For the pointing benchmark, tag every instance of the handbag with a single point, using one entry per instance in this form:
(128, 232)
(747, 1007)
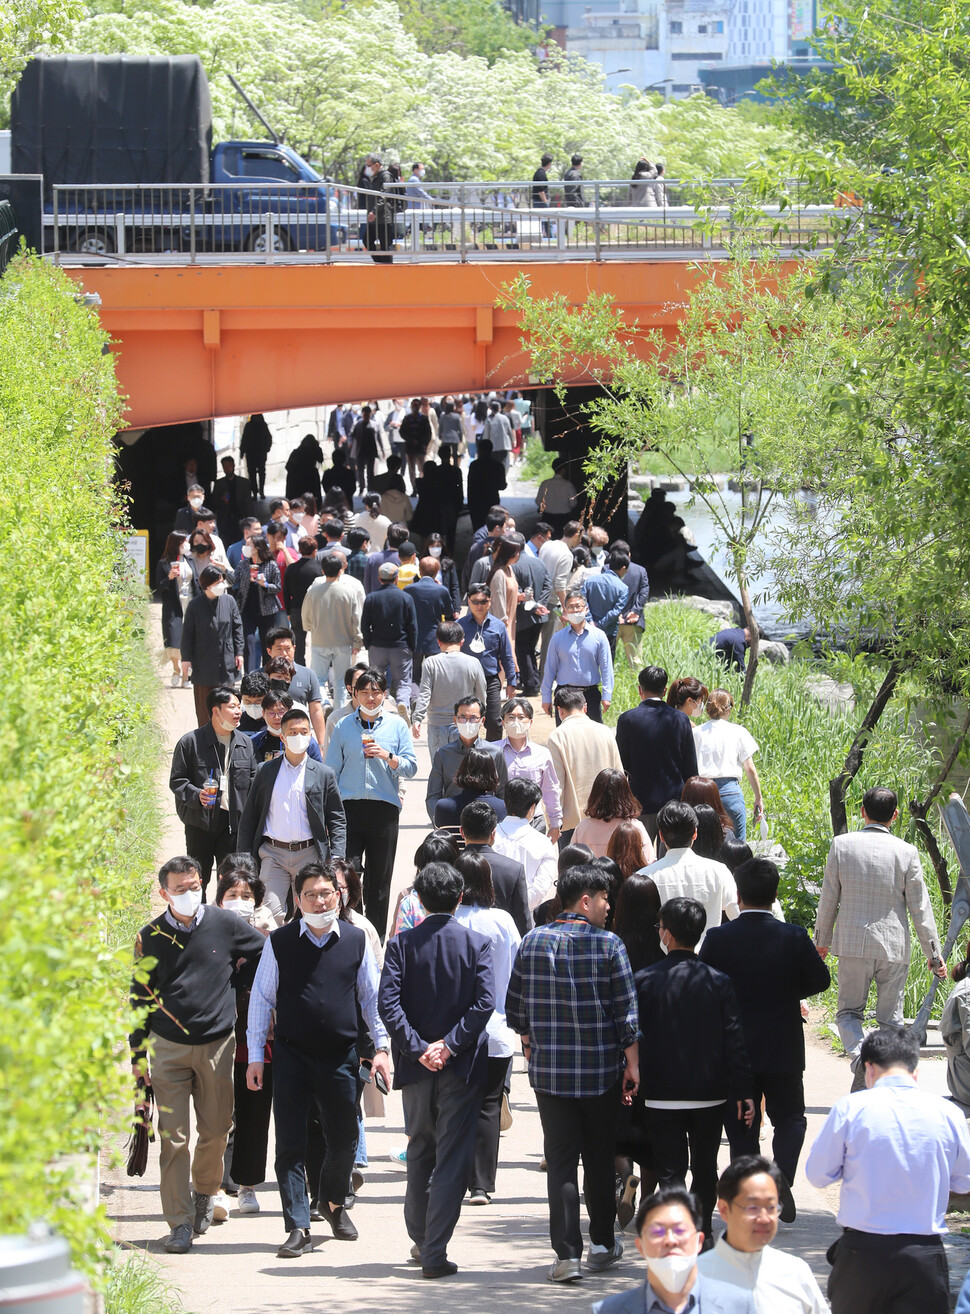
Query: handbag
(143, 1132)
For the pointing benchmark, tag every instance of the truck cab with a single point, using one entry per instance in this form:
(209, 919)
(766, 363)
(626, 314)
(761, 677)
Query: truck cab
(270, 209)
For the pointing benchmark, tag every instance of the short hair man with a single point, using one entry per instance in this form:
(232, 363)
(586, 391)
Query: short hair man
(331, 613)
(579, 658)
(571, 999)
(898, 1151)
(580, 749)
(656, 746)
(212, 771)
(351, 675)
(467, 719)
(389, 625)
(252, 690)
(479, 823)
(773, 967)
(875, 883)
(682, 872)
(445, 678)
(743, 1259)
(518, 839)
(691, 1028)
(487, 639)
(186, 1004)
(432, 606)
(248, 526)
(304, 685)
(669, 1237)
(436, 997)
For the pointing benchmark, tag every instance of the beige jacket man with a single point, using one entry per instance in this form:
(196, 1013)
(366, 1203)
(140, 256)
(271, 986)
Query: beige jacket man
(873, 884)
(580, 750)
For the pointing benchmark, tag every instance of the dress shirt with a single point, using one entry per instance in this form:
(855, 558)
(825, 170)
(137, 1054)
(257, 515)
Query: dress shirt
(572, 991)
(498, 647)
(287, 819)
(779, 1283)
(515, 838)
(533, 762)
(176, 925)
(504, 935)
(606, 596)
(578, 657)
(262, 999)
(682, 874)
(655, 1305)
(370, 778)
(899, 1152)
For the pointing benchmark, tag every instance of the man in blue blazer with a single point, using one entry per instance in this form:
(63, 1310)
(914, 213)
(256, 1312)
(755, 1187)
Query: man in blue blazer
(669, 1238)
(772, 967)
(437, 994)
(656, 745)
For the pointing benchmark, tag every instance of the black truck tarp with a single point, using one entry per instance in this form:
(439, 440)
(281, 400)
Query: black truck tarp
(112, 119)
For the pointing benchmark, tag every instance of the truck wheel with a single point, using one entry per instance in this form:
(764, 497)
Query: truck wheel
(256, 241)
(93, 241)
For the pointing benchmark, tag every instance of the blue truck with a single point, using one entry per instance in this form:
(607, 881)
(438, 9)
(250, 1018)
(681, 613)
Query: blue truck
(124, 147)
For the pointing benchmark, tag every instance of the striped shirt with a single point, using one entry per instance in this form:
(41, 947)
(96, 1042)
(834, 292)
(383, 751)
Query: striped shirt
(572, 991)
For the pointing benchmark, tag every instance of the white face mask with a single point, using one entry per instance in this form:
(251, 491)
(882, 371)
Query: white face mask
(665, 950)
(370, 171)
(344, 896)
(187, 904)
(244, 907)
(195, 503)
(297, 743)
(320, 921)
(577, 621)
(434, 551)
(247, 552)
(216, 590)
(253, 710)
(672, 1271)
(469, 731)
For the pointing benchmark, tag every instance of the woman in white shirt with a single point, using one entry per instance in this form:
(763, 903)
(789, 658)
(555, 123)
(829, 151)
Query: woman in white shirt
(725, 750)
(476, 911)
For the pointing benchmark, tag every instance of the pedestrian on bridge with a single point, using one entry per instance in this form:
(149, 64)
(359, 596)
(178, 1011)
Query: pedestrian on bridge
(254, 447)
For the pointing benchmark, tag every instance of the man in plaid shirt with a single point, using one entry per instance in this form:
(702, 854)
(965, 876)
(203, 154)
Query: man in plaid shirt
(571, 998)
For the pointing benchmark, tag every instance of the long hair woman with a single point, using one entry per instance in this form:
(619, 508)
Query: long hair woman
(610, 802)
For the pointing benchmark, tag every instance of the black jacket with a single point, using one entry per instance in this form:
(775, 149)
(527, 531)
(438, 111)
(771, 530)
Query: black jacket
(486, 479)
(299, 576)
(656, 745)
(212, 639)
(691, 1043)
(772, 967)
(269, 602)
(509, 884)
(194, 756)
(324, 809)
(388, 619)
(531, 573)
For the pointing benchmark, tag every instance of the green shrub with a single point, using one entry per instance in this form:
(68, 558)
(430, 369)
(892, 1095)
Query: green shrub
(78, 825)
(135, 1284)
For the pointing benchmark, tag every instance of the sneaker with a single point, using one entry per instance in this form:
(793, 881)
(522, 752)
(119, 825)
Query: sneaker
(505, 1117)
(248, 1203)
(566, 1270)
(203, 1212)
(176, 680)
(404, 711)
(600, 1258)
(179, 1240)
(399, 1156)
(220, 1207)
(479, 1198)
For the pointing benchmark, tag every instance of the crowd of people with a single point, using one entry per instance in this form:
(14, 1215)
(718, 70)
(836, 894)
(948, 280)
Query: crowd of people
(593, 902)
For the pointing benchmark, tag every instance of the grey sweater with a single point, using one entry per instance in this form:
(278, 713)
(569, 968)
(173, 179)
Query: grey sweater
(444, 679)
(331, 612)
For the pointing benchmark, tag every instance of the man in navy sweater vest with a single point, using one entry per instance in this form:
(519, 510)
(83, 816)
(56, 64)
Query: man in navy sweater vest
(186, 1006)
(437, 994)
(314, 971)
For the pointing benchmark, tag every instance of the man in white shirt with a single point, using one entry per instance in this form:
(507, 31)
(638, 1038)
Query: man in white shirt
(681, 873)
(898, 1152)
(556, 496)
(743, 1257)
(517, 838)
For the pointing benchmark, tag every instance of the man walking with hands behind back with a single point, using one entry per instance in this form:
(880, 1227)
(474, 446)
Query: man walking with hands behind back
(872, 880)
(437, 994)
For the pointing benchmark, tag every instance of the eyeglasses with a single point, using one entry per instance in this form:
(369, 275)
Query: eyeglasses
(468, 720)
(679, 1231)
(516, 720)
(753, 1211)
(314, 896)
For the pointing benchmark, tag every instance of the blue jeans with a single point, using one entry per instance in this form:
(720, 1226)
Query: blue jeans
(321, 661)
(733, 801)
(438, 736)
(395, 664)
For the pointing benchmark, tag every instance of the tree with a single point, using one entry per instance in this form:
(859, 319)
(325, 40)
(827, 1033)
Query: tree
(753, 366)
(27, 24)
(466, 27)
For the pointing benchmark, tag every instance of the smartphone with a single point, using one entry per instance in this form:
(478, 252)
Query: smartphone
(380, 1083)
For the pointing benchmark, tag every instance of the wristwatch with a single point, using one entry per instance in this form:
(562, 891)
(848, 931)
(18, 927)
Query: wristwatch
(382, 1049)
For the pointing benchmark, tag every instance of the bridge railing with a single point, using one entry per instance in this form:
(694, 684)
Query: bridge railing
(456, 222)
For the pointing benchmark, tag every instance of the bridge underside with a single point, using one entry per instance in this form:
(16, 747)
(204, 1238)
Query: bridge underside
(193, 343)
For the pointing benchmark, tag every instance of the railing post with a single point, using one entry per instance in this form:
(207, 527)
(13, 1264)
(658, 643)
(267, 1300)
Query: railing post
(326, 218)
(596, 220)
(269, 254)
(461, 219)
(191, 225)
(57, 227)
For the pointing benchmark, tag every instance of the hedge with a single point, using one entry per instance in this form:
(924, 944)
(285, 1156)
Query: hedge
(78, 820)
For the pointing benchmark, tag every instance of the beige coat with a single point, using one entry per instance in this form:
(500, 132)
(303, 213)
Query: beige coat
(580, 750)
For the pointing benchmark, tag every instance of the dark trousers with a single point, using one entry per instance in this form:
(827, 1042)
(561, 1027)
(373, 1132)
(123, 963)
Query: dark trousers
(300, 1079)
(210, 846)
(246, 1151)
(379, 236)
(365, 473)
(900, 1274)
(526, 642)
(440, 1114)
(485, 1163)
(574, 1129)
(493, 707)
(372, 829)
(256, 469)
(299, 637)
(784, 1096)
(594, 701)
(682, 1138)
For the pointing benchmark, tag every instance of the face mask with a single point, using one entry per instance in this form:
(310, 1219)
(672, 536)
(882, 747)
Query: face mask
(477, 644)
(420, 173)
(435, 551)
(516, 728)
(185, 549)
(344, 896)
(469, 731)
(247, 552)
(253, 710)
(187, 904)
(320, 921)
(370, 171)
(195, 503)
(244, 907)
(665, 950)
(672, 1271)
(280, 685)
(577, 621)
(298, 743)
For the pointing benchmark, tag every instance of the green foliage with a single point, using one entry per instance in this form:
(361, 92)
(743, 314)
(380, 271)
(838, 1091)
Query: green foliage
(537, 464)
(465, 27)
(27, 24)
(136, 1284)
(78, 824)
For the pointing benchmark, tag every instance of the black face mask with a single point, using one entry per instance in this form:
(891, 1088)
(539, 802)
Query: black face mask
(279, 685)
(199, 549)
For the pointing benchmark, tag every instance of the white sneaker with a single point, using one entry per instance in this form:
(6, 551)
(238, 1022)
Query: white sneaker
(399, 1156)
(176, 680)
(247, 1201)
(220, 1207)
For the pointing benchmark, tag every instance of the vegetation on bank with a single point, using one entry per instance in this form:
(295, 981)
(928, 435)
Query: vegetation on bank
(78, 819)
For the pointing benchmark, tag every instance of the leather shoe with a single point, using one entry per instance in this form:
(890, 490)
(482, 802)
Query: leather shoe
(204, 1209)
(445, 1269)
(787, 1211)
(179, 1240)
(340, 1224)
(315, 1214)
(296, 1244)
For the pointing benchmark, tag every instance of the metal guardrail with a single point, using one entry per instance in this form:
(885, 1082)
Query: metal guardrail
(9, 234)
(455, 222)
